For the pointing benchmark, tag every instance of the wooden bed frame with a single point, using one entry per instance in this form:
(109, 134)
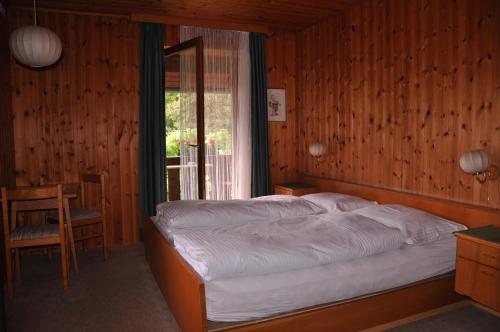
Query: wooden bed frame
(184, 289)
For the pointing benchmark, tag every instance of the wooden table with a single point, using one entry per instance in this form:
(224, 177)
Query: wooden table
(295, 189)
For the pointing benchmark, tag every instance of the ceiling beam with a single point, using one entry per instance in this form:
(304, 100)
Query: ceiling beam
(176, 20)
(69, 11)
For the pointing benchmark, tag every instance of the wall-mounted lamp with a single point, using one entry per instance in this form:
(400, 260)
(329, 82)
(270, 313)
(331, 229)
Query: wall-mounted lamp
(317, 150)
(476, 162)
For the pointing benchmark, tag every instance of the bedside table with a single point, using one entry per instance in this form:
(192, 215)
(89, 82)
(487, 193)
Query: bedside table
(295, 189)
(478, 265)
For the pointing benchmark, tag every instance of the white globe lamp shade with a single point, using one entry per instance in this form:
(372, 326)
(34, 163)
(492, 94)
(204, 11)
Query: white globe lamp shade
(317, 149)
(35, 46)
(474, 161)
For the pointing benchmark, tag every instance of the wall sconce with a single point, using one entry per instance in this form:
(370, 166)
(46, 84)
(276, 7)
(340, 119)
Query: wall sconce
(317, 150)
(476, 162)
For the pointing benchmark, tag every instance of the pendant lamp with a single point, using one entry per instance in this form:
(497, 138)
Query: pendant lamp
(35, 46)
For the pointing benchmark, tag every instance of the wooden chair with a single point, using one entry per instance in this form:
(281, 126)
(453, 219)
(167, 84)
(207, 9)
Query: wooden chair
(20, 236)
(87, 216)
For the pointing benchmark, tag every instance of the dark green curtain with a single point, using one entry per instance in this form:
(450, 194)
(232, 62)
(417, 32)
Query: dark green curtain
(261, 184)
(152, 118)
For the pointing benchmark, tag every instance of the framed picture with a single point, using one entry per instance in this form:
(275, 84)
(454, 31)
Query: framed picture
(276, 104)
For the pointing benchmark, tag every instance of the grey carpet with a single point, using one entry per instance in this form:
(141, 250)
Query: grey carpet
(120, 294)
(465, 319)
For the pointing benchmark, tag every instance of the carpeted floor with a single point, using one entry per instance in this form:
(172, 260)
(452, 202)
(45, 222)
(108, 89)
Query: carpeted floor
(465, 319)
(120, 294)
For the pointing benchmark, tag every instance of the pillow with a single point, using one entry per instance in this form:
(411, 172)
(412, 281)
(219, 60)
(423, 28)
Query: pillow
(187, 214)
(338, 202)
(419, 227)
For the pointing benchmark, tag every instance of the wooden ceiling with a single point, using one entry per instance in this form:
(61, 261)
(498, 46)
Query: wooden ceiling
(287, 14)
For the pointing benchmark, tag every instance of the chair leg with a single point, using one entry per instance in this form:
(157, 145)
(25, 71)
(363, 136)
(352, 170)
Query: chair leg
(64, 264)
(85, 242)
(72, 247)
(8, 271)
(17, 254)
(69, 232)
(104, 242)
(49, 253)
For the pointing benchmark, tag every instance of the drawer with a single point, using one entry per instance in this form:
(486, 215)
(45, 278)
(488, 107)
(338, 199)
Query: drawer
(480, 282)
(481, 253)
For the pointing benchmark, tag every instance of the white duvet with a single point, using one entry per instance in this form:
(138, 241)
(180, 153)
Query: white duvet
(235, 250)
(201, 213)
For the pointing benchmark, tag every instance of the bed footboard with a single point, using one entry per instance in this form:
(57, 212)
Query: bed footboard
(182, 288)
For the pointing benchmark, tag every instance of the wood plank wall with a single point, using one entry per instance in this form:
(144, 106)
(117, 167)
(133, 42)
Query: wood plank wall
(7, 168)
(281, 74)
(82, 114)
(398, 90)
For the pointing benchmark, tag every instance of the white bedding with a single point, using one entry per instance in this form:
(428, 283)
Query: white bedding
(252, 249)
(201, 213)
(418, 226)
(255, 265)
(247, 298)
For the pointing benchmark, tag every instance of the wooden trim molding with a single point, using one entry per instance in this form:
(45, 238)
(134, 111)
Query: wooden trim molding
(469, 215)
(176, 20)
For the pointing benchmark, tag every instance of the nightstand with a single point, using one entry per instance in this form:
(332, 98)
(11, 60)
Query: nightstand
(478, 265)
(295, 189)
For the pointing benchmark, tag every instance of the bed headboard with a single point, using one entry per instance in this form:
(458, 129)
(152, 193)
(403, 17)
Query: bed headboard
(469, 215)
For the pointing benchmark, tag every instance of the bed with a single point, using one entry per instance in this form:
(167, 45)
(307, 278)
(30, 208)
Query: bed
(187, 293)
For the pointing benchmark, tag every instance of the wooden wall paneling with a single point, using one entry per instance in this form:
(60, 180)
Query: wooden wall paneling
(7, 166)
(495, 141)
(488, 117)
(243, 15)
(81, 115)
(133, 39)
(416, 86)
(7, 157)
(280, 61)
(172, 35)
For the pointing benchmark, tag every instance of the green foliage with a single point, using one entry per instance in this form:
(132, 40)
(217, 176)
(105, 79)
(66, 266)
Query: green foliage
(173, 138)
(172, 112)
(218, 123)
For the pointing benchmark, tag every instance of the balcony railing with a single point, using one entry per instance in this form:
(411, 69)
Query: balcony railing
(218, 172)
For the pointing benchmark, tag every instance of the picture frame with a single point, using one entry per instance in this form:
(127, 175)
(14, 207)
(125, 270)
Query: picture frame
(276, 105)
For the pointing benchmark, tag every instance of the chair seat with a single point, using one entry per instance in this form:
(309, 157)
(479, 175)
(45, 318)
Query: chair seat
(31, 232)
(77, 214)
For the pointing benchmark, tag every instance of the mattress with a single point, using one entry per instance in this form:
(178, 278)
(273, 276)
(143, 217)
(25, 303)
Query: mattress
(246, 298)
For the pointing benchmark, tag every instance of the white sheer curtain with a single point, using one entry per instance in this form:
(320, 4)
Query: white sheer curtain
(227, 113)
(187, 125)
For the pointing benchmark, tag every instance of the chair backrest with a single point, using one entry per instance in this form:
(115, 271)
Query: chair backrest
(31, 199)
(96, 179)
